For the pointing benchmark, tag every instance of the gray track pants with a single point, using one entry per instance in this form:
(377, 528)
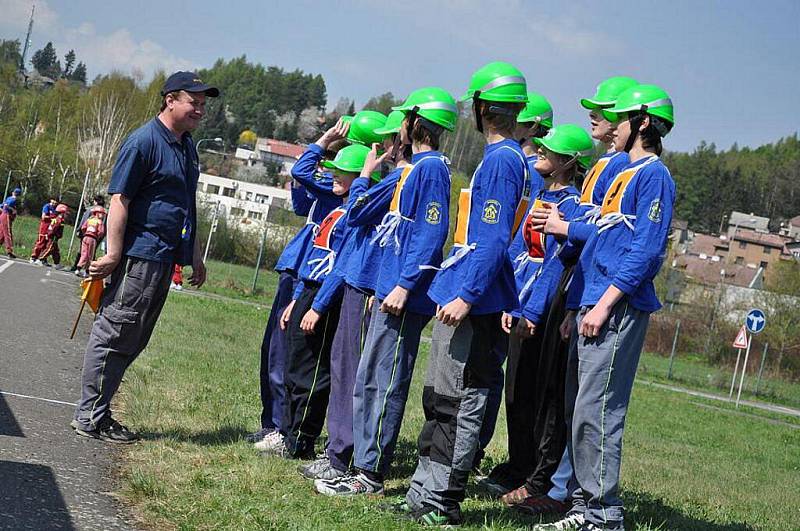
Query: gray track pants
(128, 313)
(603, 369)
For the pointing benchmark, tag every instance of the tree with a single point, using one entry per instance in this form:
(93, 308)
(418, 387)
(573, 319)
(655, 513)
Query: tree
(46, 62)
(783, 319)
(69, 62)
(383, 103)
(308, 124)
(79, 74)
(248, 138)
(103, 127)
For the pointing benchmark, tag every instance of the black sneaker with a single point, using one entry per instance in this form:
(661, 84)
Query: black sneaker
(11, 255)
(109, 430)
(429, 516)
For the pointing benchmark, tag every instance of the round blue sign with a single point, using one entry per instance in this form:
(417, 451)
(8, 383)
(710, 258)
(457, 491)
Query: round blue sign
(755, 321)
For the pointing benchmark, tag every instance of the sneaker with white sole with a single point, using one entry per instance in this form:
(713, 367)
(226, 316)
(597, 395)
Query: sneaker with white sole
(571, 522)
(321, 469)
(272, 443)
(351, 484)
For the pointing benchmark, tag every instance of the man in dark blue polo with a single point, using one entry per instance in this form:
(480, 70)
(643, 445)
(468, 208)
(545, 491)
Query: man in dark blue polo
(151, 227)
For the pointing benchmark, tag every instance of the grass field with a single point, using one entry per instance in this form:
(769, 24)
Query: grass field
(689, 464)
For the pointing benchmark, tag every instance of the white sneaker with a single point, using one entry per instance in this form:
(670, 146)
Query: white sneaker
(571, 522)
(272, 443)
(178, 287)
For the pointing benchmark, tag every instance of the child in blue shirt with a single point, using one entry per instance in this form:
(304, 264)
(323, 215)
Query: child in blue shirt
(473, 288)
(309, 332)
(313, 197)
(624, 253)
(412, 233)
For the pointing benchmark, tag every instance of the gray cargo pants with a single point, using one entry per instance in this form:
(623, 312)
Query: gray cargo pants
(128, 313)
(461, 369)
(603, 369)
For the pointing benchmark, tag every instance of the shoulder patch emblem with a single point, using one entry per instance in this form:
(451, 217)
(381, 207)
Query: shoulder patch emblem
(491, 211)
(654, 214)
(433, 213)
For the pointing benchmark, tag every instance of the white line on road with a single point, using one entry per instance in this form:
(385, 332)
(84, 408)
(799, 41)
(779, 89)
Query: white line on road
(5, 266)
(39, 398)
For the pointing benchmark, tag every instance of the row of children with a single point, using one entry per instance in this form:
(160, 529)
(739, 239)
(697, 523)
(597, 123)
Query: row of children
(90, 230)
(556, 283)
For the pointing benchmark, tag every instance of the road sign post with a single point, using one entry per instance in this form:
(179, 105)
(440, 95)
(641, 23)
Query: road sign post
(674, 345)
(761, 369)
(739, 343)
(744, 369)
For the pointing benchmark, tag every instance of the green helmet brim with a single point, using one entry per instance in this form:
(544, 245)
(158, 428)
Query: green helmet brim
(590, 104)
(387, 130)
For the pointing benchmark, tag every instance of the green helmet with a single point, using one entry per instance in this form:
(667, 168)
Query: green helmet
(650, 99)
(538, 109)
(498, 81)
(349, 159)
(434, 104)
(570, 140)
(362, 128)
(607, 91)
(393, 123)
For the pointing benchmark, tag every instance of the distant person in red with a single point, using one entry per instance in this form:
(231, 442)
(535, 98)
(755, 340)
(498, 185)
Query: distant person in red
(8, 212)
(48, 214)
(93, 230)
(53, 233)
(177, 278)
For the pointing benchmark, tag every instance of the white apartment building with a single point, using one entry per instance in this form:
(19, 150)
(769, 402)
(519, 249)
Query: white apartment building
(247, 204)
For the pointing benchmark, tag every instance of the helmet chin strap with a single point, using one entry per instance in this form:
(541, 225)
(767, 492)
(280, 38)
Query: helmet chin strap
(476, 107)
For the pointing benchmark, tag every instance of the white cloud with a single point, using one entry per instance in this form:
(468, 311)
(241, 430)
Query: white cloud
(119, 50)
(101, 52)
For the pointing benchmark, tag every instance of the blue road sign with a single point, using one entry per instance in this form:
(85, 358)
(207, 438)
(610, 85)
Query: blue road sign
(755, 320)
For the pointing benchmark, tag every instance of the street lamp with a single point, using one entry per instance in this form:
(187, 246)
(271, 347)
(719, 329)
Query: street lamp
(197, 147)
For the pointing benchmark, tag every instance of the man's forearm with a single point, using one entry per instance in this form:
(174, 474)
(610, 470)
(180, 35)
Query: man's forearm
(117, 220)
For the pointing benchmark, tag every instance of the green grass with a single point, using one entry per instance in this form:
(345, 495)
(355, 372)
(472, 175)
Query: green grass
(689, 464)
(693, 371)
(236, 281)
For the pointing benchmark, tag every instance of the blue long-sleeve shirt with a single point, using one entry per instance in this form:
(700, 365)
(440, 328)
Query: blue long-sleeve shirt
(420, 207)
(628, 248)
(315, 199)
(593, 190)
(530, 277)
(331, 290)
(483, 276)
(364, 262)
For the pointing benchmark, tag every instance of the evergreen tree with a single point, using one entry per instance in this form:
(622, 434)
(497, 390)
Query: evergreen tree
(46, 62)
(69, 62)
(79, 74)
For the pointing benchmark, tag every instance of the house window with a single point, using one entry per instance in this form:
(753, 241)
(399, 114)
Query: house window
(767, 250)
(261, 198)
(237, 212)
(764, 264)
(742, 245)
(228, 192)
(248, 196)
(254, 215)
(212, 189)
(739, 260)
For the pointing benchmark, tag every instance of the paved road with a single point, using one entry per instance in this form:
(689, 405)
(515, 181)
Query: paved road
(49, 478)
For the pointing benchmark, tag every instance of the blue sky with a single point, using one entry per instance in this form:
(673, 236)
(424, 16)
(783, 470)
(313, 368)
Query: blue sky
(731, 67)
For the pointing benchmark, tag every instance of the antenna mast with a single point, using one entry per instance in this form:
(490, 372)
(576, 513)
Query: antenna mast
(27, 42)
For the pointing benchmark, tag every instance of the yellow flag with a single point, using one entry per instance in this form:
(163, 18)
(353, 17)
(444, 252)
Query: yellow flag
(92, 291)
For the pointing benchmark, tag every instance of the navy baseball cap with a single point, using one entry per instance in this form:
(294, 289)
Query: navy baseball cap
(188, 81)
(17, 190)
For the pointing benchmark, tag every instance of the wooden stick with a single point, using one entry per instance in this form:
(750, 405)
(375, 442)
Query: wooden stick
(77, 319)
